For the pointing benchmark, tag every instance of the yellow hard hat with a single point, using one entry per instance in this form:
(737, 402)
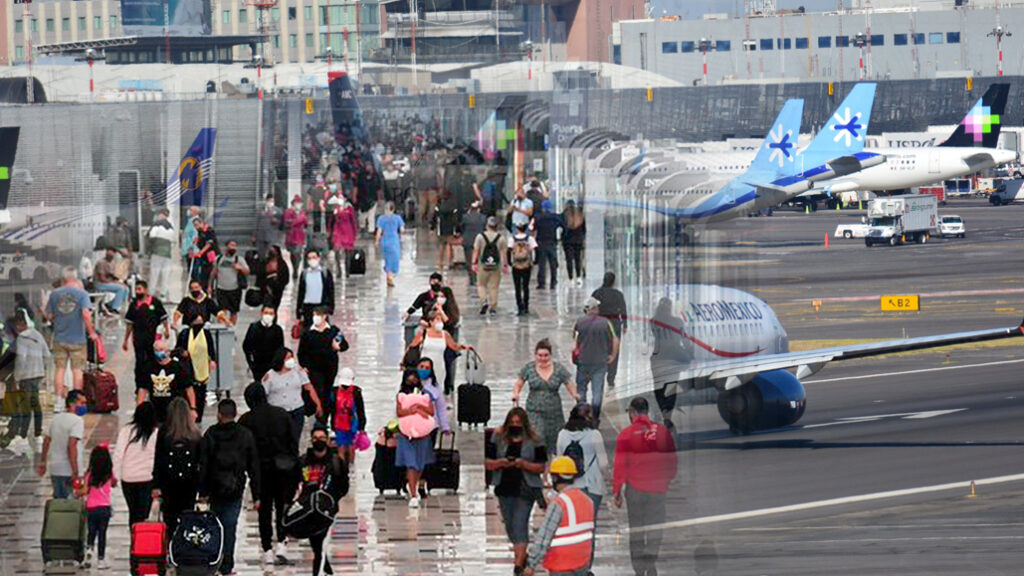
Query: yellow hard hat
(563, 466)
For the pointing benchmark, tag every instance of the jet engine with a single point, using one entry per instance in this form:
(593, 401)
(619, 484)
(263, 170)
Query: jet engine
(771, 400)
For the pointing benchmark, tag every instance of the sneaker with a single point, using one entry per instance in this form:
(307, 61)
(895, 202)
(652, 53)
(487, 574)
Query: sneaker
(19, 445)
(103, 564)
(282, 553)
(39, 443)
(268, 559)
(483, 309)
(87, 562)
(493, 311)
(58, 404)
(414, 502)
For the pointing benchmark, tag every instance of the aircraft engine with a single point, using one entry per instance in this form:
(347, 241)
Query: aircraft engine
(771, 400)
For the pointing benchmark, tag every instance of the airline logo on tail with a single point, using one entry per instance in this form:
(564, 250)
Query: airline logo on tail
(979, 121)
(780, 146)
(980, 127)
(195, 170)
(848, 126)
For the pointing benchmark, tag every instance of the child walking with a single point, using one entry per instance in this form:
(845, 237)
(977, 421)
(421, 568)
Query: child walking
(349, 414)
(98, 481)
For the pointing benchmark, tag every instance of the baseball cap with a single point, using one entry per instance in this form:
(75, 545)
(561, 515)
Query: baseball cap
(346, 377)
(592, 303)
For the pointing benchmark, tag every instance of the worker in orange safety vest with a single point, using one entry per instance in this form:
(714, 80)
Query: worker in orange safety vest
(566, 537)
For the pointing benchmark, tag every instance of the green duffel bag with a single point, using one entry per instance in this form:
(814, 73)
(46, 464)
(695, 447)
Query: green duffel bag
(64, 530)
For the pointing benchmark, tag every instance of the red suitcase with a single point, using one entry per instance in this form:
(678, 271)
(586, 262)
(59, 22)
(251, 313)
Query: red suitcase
(149, 549)
(100, 389)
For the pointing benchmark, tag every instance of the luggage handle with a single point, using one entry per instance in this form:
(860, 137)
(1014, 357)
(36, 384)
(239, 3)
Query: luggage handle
(440, 439)
(155, 511)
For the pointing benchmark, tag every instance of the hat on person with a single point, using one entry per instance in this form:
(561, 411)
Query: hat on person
(564, 467)
(346, 377)
(592, 303)
(492, 222)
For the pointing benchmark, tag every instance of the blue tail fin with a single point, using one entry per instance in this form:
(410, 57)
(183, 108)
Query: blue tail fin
(778, 151)
(980, 127)
(188, 184)
(844, 132)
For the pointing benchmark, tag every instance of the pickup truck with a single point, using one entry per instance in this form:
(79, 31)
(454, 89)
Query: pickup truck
(858, 230)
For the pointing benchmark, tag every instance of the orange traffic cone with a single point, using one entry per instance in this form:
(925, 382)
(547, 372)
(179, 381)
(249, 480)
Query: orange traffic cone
(826, 241)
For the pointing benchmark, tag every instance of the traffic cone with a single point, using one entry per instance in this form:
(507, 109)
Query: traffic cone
(826, 241)
(807, 208)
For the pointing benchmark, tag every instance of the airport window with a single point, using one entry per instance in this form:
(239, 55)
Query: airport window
(878, 40)
(19, 27)
(226, 17)
(824, 41)
(19, 52)
(749, 46)
(370, 15)
(801, 43)
(919, 38)
(723, 45)
(669, 47)
(293, 40)
(81, 22)
(113, 22)
(935, 38)
(34, 25)
(899, 39)
(323, 39)
(277, 41)
(952, 37)
(686, 46)
(65, 24)
(842, 41)
(243, 16)
(307, 12)
(766, 44)
(309, 40)
(275, 14)
(617, 54)
(49, 24)
(783, 43)
(97, 23)
(292, 13)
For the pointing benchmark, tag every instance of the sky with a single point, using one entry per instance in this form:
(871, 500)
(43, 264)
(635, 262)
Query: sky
(691, 9)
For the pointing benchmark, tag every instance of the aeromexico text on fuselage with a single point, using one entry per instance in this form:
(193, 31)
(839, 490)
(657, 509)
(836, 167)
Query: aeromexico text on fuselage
(720, 310)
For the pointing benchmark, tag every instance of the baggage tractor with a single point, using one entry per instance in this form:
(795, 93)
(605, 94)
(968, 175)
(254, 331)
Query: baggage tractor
(474, 404)
(197, 546)
(444, 472)
(386, 475)
(149, 549)
(63, 537)
(355, 264)
(100, 389)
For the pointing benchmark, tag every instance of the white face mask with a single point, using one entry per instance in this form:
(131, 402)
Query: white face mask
(319, 320)
(313, 262)
(267, 319)
(442, 300)
(290, 363)
(438, 326)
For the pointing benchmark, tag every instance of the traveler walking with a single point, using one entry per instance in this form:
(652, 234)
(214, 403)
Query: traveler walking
(316, 290)
(343, 234)
(516, 458)
(565, 539)
(268, 226)
(445, 222)
(584, 445)
(31, 355)
(133, 456)
(389, 239)
(438, 293)
(189, 235)
(544, 378)
(231, 276)
(612, 308)
(197, 346)
(165, 378)
(489, 261)
(432, 385)
(547, 225)
(273, 277)
(318, 356)
(278, 450)
(227, 454)
(63, 444)
(68, 310)
(322, 470)
(98, 481)
(145, 316)
(434, 343)
(284, 384)
(176, 463)
(159, 239)
(596, 348)
(522, 247)
(645, 465)
(670, 351)
(574, 236)
(262, 341)
(473, 224)
(204, 254)
(349, 416)
(195, 304)
(520, 211)
(370, 191)
(416, 422)
(295, 220)
(105, 280)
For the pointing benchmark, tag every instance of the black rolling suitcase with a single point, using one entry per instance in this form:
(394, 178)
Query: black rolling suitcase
(356, 263)
(386, 475)
(474, 404)
(197, 546)
(444, 472)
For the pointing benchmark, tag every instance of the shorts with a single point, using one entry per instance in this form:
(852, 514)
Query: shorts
(230, 300)
(515, 513)
(64, 353)
(344, 438)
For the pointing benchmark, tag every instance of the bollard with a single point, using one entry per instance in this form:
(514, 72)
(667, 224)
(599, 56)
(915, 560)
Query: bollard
(860, 205)
(972, 494)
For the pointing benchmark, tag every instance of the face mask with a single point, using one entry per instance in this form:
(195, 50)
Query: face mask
(270, 205)
(319, 445)
(197, 294)
(515, 431)
(442, 300)
(140, 296)
(423, 373)
(81, 410)
(290, 363)
(319, 320)
(231, 251)
(161, 354)
(333, 187)
(438, 326)
(313, 262)
(435, 287)
(267, 319)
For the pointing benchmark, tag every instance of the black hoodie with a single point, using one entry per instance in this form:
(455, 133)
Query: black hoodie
(271, 428)
(261, 344)
(227, 453)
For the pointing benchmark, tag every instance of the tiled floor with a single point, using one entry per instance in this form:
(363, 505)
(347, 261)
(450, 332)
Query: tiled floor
(374, 534)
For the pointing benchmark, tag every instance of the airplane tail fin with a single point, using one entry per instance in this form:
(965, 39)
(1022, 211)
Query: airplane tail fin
(779, 147)
(844, 132)
(8, 148)
(345, 113)
(980, 127)
(188, 184)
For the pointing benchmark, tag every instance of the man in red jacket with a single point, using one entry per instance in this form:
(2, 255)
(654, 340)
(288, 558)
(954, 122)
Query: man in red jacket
(645, 465)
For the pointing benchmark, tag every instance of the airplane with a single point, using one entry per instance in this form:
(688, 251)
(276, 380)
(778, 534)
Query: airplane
(723, 346)
(970, 149)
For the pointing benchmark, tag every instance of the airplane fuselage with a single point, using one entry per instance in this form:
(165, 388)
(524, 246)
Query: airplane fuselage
(907, 168)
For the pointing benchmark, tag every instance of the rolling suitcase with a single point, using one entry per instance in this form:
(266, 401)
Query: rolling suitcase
(149, 549)
(355, 264)
(197, 546)
(412, 323)
(63, 537)
(474, 404)
(444, 472)
(100, 389)
(386, 475)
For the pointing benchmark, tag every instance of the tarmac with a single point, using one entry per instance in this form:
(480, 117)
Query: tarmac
(874, 479)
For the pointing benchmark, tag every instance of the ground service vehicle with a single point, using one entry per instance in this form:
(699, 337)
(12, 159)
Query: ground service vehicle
(952, 225)
(1008, 192)
(858, 230)
(900, 219)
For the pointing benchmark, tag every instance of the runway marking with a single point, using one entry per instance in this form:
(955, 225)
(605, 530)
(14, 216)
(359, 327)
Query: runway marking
(879, 527)
(830, 502)
(918, 371)
(904, 416)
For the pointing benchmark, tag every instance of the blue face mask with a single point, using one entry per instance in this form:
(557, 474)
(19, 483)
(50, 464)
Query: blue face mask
(161, 354)
(423, 373)
(81, 410)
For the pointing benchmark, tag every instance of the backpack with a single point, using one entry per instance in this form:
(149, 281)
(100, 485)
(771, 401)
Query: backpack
(575, 451)
(225, 482)
(345, 409)
(182, 466)
(490, 257)
(522, 257)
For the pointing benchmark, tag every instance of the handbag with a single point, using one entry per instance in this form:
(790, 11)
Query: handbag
(297, 331)
(310, 515)
(253, 297)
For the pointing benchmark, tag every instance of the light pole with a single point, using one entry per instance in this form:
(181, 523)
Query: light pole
(528, 45)
(704, 45)
(860, 40)
(999, 32)
(90, 57)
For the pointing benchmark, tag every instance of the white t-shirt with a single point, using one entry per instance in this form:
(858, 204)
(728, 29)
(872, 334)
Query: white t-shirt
(518, 218)
(284, 389)
(63, 427)
(530, 241)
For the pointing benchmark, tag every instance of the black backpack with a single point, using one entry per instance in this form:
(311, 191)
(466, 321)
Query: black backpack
(225, 481)
(490, 257)
(575, 451)
(182, 463)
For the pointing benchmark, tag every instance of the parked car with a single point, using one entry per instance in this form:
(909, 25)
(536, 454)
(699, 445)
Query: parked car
(952, 225)
(858, 230)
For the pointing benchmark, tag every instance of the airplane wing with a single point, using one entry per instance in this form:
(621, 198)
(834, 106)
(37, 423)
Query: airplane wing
(729, 374)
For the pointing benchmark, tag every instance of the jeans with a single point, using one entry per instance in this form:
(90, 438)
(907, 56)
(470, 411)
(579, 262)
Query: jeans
(26, 405)
(644, 509)
(468, 252)
(61, 487)
(298, 417)
(98, 520)
(120, 292)
(160, 275)
(521, 280)
(487, 284)
(573, 259)
(138, 496)
(275, 492)
(547, 259)
(596, 499)
(515, 514)
(587, 374)
(227, 513)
